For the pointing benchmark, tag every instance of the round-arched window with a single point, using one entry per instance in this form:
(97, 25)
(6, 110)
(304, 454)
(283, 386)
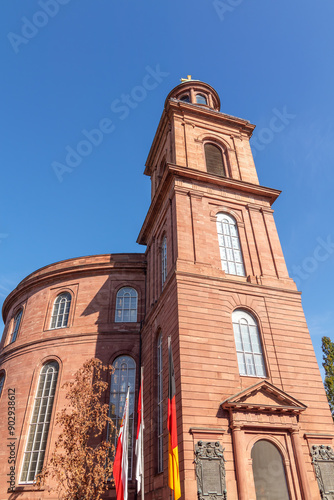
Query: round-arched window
(201, 99)
(229, 245)
(248, 344)
(2, 381)
(214, 160)
(126, 305)
(61, 310)
(16, 326)
(124, 376)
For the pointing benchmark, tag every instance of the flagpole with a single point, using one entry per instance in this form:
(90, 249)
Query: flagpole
(169, 347)
(171, 492)
(142, 432)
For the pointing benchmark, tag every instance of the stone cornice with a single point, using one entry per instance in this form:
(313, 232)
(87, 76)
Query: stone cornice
(206, 430)
(72, 338)
(73, 268)
(174, 107)
(244, 400)
(205, 113)
(234, 184)
(173, 171)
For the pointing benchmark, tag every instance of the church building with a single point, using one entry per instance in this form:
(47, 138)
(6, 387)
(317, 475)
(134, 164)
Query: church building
(253, 419)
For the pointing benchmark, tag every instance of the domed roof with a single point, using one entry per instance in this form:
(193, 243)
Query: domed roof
(195, 92)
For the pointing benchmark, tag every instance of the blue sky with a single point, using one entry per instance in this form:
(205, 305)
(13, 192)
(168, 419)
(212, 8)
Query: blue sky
(67, 62)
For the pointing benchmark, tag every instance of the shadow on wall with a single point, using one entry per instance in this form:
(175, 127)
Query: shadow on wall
(120, 337)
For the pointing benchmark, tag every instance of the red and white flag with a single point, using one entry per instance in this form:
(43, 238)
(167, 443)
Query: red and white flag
(120, 469)
(139, 439)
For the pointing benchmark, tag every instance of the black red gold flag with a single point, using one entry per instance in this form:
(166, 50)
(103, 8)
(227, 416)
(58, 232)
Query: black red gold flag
(173, 453)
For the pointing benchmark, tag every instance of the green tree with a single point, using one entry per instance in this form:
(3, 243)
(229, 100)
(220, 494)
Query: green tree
(81, 465)
(328, 364)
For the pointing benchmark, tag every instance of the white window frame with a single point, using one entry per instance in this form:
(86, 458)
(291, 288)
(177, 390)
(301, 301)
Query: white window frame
(126, 305)
(124, 375)
(160, 396)
(61, 311)
(163, 261)
(248, 344)
(39, 424)
(229, 245)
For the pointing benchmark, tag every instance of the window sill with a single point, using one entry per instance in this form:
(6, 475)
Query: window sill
(127, 322)
(23, 487)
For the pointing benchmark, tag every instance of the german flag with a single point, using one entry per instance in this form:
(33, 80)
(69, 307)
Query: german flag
(173, 452)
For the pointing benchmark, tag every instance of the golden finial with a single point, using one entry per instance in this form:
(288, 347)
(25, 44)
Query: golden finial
(186, 79)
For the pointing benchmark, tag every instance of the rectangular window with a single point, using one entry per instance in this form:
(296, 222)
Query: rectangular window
(163, 262)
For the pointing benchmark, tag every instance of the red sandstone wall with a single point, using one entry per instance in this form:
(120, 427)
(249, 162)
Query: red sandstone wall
(196, 305)
(92, 332)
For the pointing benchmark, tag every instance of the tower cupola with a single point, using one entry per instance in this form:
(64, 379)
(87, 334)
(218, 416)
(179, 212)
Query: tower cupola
(195, 92)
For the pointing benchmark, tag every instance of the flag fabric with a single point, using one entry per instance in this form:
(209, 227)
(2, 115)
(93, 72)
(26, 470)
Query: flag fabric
(139, 439)
(120, 469)
(173, 453)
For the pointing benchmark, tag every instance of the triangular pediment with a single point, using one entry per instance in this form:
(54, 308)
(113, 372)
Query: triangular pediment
(263, 396)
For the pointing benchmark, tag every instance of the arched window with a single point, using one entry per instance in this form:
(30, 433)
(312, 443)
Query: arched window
(163, 261)
(40, 422)
(214, 160)
(201, 99)
(126, 305)
(248, 344)
(160, 403)
(185, 98)
(2, 381)
(123, 376)
(61, 309)
(229, 245)
(16, 326)
(268, 471)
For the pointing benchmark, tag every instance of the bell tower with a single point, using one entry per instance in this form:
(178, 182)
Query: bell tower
(217, 283)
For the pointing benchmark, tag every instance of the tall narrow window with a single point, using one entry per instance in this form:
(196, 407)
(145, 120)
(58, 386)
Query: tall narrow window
(214, 160)
(229, 245)
(248, 344)
(2, 381)
(17, 321)
(201, 99)
(160, 403)
(126, 305)
(268, 471)
(163, 261)
(123, 376)
(185, 98)
(61, 309)
(40, 422)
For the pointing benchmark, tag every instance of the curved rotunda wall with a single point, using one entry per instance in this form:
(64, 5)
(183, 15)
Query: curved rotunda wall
(92, 284)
